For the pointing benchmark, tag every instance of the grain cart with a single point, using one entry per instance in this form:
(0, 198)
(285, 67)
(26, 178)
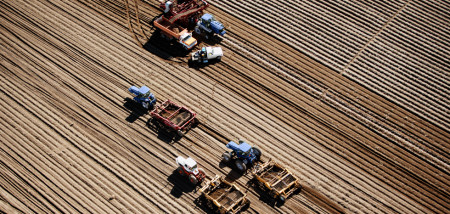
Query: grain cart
(173, 117)
(188, 167)
(208, 26)
(143, 96)
(276, 180)
(172, 31)
(207, 53)
(223, 196)
(243, 154)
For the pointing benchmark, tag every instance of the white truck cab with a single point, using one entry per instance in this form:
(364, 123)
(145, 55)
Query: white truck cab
(207, 53)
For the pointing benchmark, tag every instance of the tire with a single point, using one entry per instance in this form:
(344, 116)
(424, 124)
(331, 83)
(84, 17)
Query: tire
(180, 171)
(209, 204)
(180, 133)
(207, 37)
(226, 157)
(257, 153)
(197, 30)
(281, 199)
(219, 58)
(202, 174)
(146, 105)
(241, 166)
(193, 179)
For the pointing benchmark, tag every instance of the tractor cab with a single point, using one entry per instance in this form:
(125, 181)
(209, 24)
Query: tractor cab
(189, 164)
(209, 22)
(143, 96)
(143, 92)
(242, 153)
(242, 149)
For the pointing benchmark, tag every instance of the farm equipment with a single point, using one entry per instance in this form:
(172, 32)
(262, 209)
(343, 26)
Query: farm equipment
(175, 118)
(223, 196)
(186, 12)
(143, 96)
(278, 181)
(209, 26)
(243, 154)
(172, 31)
(207, 53)
(188, 167)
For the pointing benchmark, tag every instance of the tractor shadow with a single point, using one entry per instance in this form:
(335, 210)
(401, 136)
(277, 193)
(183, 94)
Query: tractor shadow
(135, 109)
(180, 184)
(215, 40)
(234, 174)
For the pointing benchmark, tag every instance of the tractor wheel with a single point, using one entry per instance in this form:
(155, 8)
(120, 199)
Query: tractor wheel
(180, 171)
(193, 179)
(180, 133)
(165, 37)
(241, 166)
(281, 200)
(201, 174)
(226, 157)
(197, 30)
(209, 204)
(257, 153)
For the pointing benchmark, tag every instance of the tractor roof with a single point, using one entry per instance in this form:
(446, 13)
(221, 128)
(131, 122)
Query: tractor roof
(144, 89)
(243, 146)
(207, 16)
(190, 162)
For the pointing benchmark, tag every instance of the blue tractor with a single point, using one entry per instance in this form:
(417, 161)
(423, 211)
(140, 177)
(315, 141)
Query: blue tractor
(243, 154)
(209, 26)
(143, 96)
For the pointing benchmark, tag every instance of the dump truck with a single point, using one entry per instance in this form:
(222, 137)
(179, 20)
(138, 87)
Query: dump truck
(276, 180)
(174, 32)
(222, 196)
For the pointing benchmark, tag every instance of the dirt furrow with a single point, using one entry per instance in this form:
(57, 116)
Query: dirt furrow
(333, 81)
(355, 151)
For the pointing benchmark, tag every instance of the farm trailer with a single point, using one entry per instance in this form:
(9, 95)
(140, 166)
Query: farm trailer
(223, 196)
(173, 117)
(275, 179)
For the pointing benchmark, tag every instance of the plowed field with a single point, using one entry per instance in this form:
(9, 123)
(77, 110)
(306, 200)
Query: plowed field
(352, 97)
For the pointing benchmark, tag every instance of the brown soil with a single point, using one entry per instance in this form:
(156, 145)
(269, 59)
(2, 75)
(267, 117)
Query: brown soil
(352, 97)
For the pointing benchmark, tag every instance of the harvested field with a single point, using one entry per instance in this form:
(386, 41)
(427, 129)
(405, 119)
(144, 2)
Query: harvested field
(352, 97)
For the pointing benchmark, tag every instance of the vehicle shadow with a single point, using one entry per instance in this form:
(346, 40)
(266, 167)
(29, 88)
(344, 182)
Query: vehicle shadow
(162, 134)
(207, 42)
(135, 109)
(163, 48)
(200, 202)
(180, 184)
(263, 194)
(199, 65)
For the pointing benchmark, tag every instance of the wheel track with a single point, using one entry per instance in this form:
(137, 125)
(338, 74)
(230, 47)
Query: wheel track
(167, 91)
(368, 104)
